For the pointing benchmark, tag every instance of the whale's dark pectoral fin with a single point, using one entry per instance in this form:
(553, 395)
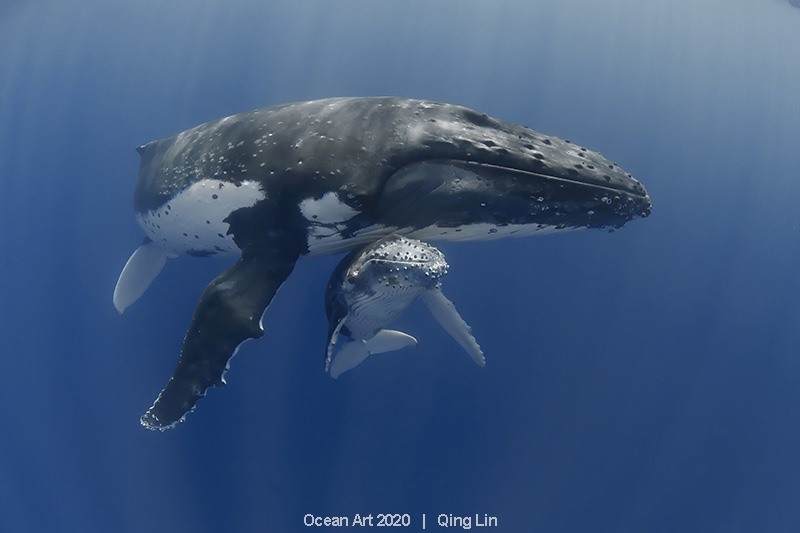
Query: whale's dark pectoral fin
(228, 313)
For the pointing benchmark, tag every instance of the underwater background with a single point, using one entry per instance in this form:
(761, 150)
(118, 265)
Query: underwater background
(640, 380)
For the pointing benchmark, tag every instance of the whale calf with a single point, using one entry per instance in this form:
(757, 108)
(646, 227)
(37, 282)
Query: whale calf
(371, 287)
(333, 175)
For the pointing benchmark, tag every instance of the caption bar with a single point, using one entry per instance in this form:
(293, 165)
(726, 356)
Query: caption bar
(444, 520)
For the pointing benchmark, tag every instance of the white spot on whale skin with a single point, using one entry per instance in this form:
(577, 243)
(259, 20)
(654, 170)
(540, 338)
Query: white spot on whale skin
(193, 220)
(327, 210)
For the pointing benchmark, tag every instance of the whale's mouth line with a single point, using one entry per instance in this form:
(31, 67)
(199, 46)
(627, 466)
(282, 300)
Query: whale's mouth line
(572, 181)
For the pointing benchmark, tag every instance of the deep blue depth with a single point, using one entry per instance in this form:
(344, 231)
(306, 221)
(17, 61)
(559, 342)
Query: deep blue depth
(643, 380)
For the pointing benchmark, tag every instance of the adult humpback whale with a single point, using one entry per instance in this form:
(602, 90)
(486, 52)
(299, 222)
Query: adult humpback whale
(331, 175)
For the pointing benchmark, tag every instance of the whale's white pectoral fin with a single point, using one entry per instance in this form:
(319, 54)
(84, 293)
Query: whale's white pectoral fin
(349, 356)
(354, 352)
(389, 340)
(445, 313)
(332, 342)
(139, 272)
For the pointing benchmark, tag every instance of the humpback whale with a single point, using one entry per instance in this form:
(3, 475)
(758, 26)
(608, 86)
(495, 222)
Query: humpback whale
(371, 287)
(327, 176)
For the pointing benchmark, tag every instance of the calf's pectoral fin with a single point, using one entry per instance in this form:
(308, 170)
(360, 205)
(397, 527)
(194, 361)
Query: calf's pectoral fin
(333, 339)
(389, 340)
(354, 352)
(444, 311)
(138, 273)
(229, 312)
(350, 355)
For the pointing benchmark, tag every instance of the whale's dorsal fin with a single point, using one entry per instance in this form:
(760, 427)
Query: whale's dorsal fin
(444, 311)
(229, 312)
(138, 273)
(146, 150)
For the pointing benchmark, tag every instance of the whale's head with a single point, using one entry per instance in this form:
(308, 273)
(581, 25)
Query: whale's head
(465, 172)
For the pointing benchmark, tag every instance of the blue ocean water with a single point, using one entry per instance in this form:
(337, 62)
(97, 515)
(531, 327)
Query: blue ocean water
(644, 380)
